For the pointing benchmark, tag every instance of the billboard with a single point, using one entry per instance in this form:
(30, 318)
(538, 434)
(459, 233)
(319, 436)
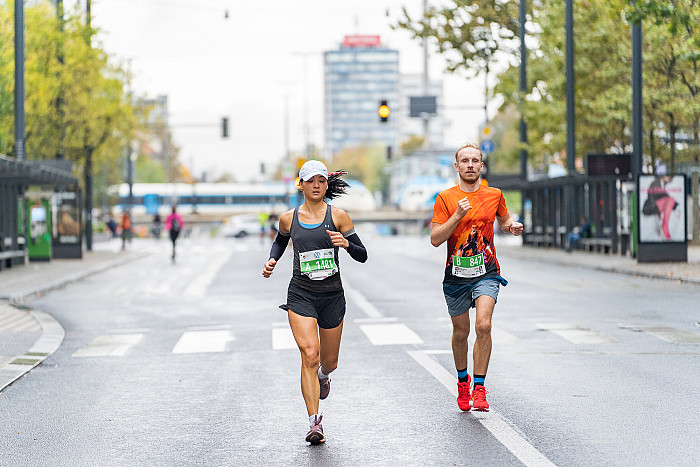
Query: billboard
(662, 208)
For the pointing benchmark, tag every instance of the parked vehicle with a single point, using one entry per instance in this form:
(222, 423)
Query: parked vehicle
(241, 225)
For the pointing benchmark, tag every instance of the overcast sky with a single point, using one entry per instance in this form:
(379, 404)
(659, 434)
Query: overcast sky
(211, 66)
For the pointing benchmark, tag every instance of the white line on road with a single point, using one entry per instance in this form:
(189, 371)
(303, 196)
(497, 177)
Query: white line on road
(109, 345)
(198, 286)
(203, 342)
(375, 320)
(390, 334)
(667, 333)
(283, 339)
(493, 422)
(577, 334)
(360, 300)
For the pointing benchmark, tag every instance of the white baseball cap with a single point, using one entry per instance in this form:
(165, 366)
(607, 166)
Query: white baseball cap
(311, 168)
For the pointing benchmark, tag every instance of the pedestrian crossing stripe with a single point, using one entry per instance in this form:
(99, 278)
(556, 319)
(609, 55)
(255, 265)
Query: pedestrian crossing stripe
(669, 334)
(15, 321)
(283, 339)
(203, 341)
(390, 334)
(577, 334)
(379, 331)
(115, 345)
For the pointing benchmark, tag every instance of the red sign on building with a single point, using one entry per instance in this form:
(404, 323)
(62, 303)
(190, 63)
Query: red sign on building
(361, 41)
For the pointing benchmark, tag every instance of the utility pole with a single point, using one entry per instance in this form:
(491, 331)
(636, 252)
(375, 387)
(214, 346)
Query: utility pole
(426, 79)
(19, 80)
(305, 92)
(637, 130)
(570, 113)
(523, 90)
(60, 112)
(88, 158)
(570, 89)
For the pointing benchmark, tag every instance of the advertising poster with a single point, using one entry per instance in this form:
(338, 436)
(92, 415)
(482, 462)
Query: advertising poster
(662, 208)
(67, 218)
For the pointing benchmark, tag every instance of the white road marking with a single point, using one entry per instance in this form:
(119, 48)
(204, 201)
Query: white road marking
(669, 334)
(500, 336)
(375, 320)
(198, 286)
(283, 339)
(577, 334)
(499, 427)
(390, 334)
(114, 345)
(203, 342)
(360, 300)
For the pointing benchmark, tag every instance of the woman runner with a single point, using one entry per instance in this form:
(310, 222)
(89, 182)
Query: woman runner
(315, 298)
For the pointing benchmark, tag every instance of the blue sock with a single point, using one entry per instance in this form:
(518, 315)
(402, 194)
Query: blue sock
(479, 380)
(463, 376)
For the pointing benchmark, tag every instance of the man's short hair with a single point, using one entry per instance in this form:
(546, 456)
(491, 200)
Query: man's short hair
(469, 145)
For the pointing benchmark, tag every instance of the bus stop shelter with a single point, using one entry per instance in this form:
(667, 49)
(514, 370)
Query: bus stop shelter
(15, 177)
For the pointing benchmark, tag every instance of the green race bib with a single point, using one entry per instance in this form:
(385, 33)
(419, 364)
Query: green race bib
(468, 266)
(318, 264)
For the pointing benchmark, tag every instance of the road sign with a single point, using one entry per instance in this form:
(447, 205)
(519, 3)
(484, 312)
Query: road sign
(486, 131)
(487, 146)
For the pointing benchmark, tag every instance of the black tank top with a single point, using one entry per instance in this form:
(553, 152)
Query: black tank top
(303, 240)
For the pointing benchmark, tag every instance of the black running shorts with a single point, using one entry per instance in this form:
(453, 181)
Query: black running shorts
(327, 307)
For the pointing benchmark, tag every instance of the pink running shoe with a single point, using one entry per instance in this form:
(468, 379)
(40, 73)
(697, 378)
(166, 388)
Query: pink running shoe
(325, 384)
(315, 434)
(479, 399)
(463, 396)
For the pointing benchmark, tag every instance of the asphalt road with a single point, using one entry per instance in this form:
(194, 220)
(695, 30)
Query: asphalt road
(192, 364)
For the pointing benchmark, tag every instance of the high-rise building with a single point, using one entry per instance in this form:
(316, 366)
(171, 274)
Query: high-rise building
(359, 75)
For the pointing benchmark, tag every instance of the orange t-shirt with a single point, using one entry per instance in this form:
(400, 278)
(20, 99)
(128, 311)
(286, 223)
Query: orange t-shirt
(474, 233)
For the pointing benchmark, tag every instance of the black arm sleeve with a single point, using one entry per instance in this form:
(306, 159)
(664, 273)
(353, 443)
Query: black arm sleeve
(356, 249)
(279, 245)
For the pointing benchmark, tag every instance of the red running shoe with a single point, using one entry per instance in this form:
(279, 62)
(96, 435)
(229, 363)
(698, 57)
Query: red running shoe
(479, 399)
(315, 434)
(463, 396)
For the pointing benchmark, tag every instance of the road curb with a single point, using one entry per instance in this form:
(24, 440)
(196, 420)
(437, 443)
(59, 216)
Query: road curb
(52, 331)
(51, 338)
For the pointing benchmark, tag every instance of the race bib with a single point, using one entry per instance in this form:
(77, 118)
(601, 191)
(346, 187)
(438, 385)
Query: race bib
(318, 264)
(468, 266)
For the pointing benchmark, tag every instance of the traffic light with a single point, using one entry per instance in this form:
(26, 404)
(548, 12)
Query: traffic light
(224, 127)
(383, 111)
(388, 153)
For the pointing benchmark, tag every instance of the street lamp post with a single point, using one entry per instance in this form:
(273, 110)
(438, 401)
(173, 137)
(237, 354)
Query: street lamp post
(523, 90)
(19, 80)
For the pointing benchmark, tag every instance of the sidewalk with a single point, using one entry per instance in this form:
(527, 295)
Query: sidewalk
(28, 337)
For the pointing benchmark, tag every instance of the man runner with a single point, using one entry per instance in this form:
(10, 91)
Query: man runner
(464, 217)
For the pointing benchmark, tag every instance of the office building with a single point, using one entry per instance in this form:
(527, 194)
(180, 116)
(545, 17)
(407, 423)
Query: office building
(358, 76)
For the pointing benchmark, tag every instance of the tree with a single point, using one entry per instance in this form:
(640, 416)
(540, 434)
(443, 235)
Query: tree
(471, 35)
(363, 163)
(602, 70)
(99, 115)
(412, 144)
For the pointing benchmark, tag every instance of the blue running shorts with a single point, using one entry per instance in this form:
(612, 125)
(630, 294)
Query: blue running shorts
(461, 297)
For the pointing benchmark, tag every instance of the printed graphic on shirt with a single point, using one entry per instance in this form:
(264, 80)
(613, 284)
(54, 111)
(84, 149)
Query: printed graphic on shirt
(471, 254)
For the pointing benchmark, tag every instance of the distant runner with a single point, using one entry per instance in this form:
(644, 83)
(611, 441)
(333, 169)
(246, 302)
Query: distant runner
(174, 224)
(464, 216)
(315, 298)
